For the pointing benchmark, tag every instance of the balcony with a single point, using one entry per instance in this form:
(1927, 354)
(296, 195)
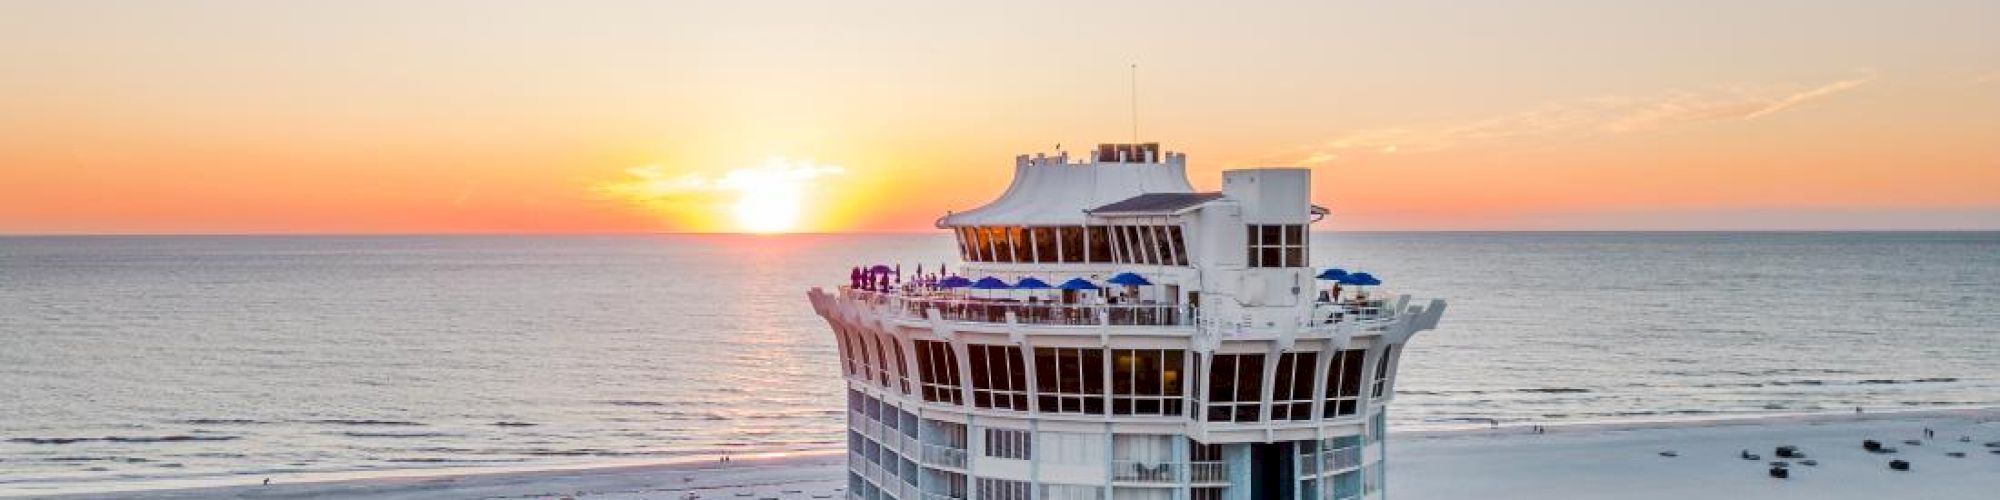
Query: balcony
(979, 310)
(943, 456)
(1361, 311)
(1129, 471)
(1208, 472)
(1147, 472)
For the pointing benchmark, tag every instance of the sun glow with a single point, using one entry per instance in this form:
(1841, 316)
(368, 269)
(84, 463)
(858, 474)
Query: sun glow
(769, 198)
(769, 208)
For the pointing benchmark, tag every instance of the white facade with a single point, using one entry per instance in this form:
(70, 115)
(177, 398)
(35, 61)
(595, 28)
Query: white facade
(1228, 377)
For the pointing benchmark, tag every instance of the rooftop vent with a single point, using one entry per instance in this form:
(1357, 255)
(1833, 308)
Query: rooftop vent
(1129, 153)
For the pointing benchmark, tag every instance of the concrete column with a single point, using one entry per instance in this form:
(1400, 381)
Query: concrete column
(1184, 475)
(1238, 458)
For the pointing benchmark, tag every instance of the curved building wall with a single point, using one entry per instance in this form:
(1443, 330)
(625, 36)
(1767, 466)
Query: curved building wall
(965, 409)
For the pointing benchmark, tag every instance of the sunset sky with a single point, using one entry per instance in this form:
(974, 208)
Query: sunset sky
(450, 117)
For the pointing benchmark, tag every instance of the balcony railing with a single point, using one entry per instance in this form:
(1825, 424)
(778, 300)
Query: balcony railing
(1209, 472)
(1327, 313)
(1132, 471)
(942, 496)
(979, 310)
(944, 456)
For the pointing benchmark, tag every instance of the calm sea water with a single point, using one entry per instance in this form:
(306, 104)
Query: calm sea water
(147, 358)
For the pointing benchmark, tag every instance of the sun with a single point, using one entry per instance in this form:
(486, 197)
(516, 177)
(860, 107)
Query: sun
(771, 198)
(769, 208)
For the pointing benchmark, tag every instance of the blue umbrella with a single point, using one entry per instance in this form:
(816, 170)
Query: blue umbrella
(1128, 279)
(1332, 274)
(954, 282)
(1077, 284)
(1360, 279)
(990, 283)
(1031, 284)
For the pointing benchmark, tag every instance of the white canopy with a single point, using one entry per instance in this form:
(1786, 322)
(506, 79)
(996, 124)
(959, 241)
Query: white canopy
(1051, 192)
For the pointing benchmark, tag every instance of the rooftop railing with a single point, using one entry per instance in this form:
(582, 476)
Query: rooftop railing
(1327, 313)
(988, 310)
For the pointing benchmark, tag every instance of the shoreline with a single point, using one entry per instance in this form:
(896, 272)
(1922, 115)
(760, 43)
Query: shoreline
(822, 470)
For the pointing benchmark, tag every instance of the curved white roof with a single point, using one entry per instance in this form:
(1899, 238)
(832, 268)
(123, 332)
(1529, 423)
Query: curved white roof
(1052, 192)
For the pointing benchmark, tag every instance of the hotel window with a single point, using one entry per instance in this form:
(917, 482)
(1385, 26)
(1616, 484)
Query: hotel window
(937, 369)
(1292, 389)
(1343, 383)
(965, 244)
(1070, 380)
(866, 365)
(1098, 240)
(1072, 243)
(847, 351)
(1382, 372)
(1235, 387)
(1275, 245)
(1003, 248)
(1163, 248)
(902, 371)
(1024, 248)
(999, 380)
(1072, 492)
(982, 246)
(1146, 382)
(1001, 489)
(1046, 244)
(1179, 245)
(1008, 443)
(881, 363)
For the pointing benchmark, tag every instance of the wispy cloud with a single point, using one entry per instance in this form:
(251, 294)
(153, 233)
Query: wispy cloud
(1582, 117)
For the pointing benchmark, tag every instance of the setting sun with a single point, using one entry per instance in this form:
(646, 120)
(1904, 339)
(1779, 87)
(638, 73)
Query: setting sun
(768, 198)
(772, 208)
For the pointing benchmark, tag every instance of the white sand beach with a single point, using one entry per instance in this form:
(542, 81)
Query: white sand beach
(1566, 462)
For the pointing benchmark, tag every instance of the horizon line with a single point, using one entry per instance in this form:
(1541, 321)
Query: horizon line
(946, 233)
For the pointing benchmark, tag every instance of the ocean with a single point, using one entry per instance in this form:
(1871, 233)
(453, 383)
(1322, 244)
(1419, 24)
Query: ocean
(148, 359)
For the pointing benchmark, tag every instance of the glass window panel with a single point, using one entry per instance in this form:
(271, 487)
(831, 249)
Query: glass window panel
(1099, 242)
(1272, 235)
(1072, 244)
(1250, 378)
(1024, 249)
(1046, 244)
(1179, 245)
(1162, 246)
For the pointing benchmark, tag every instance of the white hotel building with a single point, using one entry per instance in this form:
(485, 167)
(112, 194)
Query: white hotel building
(1229, 376)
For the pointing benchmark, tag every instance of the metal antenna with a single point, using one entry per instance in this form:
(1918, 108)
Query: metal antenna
(1135, 104)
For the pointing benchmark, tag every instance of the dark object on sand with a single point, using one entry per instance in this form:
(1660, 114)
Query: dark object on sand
(1747, 455)
(1871, 445)
(1809, 463)
(1670, 453)
(1781, 472)
(1788, 451)
(1965, 439)
(1993, 444)
(1956, 454)
(1913, 442)
(1899, 465)
(1779, 463)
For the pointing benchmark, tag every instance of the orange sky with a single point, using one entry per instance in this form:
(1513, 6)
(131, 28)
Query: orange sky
(398, 117)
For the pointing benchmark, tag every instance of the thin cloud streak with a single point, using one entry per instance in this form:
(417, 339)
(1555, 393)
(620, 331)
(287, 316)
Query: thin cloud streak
(1584, 117)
